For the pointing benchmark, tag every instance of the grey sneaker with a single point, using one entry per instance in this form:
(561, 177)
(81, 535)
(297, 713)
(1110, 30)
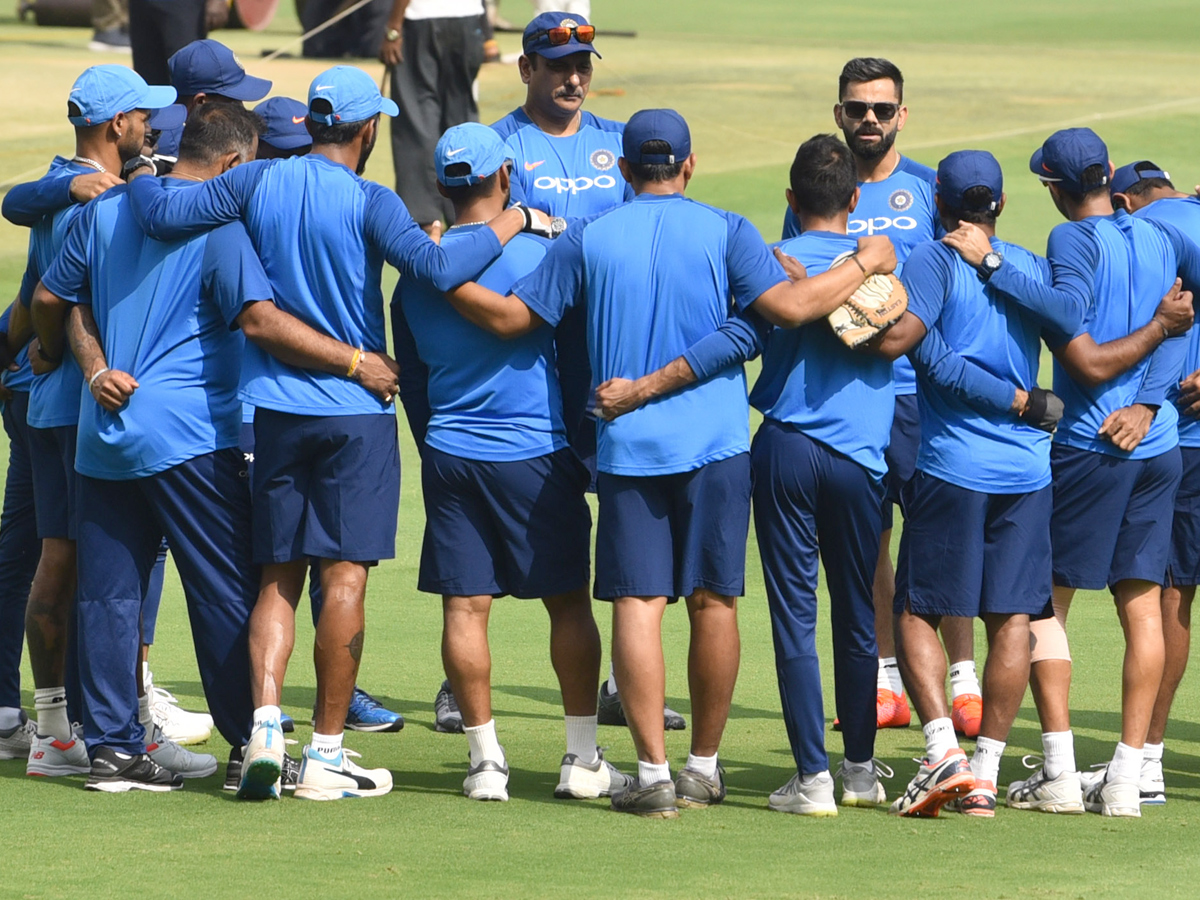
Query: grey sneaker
(695, 790)
(487, 781)
(447, 717)
(657, 801)
(610, 712)
(16, 741)
(168, 754)
(578, 780)
(860, 783)
(808, 795)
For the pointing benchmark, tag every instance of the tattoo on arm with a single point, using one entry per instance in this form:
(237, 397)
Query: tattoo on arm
(355, 646)
(84, 338)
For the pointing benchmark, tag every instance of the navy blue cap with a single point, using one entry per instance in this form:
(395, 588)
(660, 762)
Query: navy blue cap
(284, 118)
(479, 146)
(534, 40)
(1066, 154)
(656, 125)
(351, 92)
(103, 91)
(168, 143)
(209, 67)
(1127, 176)
(966, 169)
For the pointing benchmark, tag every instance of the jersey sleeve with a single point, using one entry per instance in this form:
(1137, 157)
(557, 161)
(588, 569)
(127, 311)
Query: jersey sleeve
(390, 227)
(1187, 255)
(791, 225)
(739, 339)
(751, 266)
(556, 285)
(67, 277)
(232, 274)
(1064, 302)
(1164, 371)
(414, 374)
(927, 277)
(973, 385)
(176, 214)
(25, 204)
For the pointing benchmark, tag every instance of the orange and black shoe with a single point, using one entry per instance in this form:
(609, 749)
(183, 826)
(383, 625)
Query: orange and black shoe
(891, 711)
(980, 802)
(967, 714)
(935, 785)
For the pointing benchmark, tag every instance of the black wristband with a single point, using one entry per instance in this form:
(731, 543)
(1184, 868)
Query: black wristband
(46, 357)
(1043, 411)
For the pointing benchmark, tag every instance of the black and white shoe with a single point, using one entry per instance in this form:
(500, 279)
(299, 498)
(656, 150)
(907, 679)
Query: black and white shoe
(115, 772)
(447, 716)
(609, 711)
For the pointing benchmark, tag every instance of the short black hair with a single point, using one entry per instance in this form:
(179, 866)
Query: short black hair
(1145, 185)
(652, 172)
(977, 200)
(464, 193)
(214, 129)
(870, 68)
(341, 133)
(1094, 180)
(823, 176)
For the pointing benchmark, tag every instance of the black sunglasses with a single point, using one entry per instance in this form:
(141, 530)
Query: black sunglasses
(857, 109)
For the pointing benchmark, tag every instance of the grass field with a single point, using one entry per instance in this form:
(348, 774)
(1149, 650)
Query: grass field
(753, 79)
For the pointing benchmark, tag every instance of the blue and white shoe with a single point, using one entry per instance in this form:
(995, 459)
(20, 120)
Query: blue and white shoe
(287, 723)
(323, 778)
(262, 762)
(368, 714)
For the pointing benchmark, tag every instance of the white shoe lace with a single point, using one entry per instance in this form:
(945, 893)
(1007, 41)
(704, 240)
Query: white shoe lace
(1033, 761)
(879, 768)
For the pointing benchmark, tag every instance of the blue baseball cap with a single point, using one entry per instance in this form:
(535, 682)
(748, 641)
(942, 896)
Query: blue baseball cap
(479, 146)
(1127, 176)
(351, 92)
(284, 118)
(1065, 156)
(536, 38)
(209, 67)
(103, 91)
(656, 125)
(168, 143)
(966, 169)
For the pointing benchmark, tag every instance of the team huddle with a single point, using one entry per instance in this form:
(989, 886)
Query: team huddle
(199, 362)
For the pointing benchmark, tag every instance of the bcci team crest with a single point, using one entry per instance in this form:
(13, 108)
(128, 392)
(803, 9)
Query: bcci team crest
(901, 201)
(605, 160)
(568, 23)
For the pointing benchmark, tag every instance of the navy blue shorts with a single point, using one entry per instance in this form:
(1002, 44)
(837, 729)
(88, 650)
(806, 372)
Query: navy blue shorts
(969, 553)
(325, 487)
(668, 535)
(1183, 567)
(1112, 517)
(901, 454)
(55, 482)
(521, 528)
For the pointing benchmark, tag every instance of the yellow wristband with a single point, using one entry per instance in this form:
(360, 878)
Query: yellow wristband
(358, 355)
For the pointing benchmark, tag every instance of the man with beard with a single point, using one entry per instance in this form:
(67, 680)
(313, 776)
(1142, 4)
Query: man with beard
(327, 473)
(896, 199)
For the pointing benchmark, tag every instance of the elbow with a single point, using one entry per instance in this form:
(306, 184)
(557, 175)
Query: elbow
(43, 301)
(1092, 375)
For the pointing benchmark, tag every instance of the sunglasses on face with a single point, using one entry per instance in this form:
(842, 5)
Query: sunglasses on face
(857, 109)
(585, 34)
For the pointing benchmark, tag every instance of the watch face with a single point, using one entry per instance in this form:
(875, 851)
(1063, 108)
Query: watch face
(991, 261)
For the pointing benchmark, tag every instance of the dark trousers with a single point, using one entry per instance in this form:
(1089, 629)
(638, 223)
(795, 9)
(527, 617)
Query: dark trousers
(811, 501)
(20, 548)
(433, 88)
(359, 34)
(159, 28)
(202, 507)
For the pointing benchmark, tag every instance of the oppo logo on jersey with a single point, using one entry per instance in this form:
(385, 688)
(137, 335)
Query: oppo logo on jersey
(880, 224)
(575, 185)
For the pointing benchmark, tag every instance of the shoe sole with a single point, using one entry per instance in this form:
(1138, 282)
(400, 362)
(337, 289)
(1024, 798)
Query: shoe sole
(487, 795)
(693, 803)
(932, 803)
(121, 787)
(258, 779)
(316, 793)
(1113, 811)
(672, 813)
(1059, 807)
(862, 801)
(1157, 800)
(18, 753)
(819, 812)
(453, 729)
(57, 771)
(383, 727)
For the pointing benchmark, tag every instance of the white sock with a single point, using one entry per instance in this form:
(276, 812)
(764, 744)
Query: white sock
(10, 717)
(1126, 762)
(267, 714)
(147, 676)
(144, 714)
(963, 679)
(482, 741)
(705, 765)
(985, 762)
(653, 773)
(806, 780)
(889, 676)
(328, 745)
(51, 706)
(1149, 751)
(1058, 750)
(612, 679)
(581, 737)
(939, 739)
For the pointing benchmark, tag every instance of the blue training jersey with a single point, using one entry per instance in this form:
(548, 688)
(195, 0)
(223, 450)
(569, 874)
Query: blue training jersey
(994, 453)
(323, 235)
(838, 396)
(574, 176)
(1184, 214)
(166, 315)
(656, 275)
(901, 207)
(487, 398)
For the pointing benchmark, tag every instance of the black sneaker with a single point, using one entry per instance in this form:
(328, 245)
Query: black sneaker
(694, 789)
(447, 717)
(233, 771)
(610, 712)
(654, 802)
(115, 772)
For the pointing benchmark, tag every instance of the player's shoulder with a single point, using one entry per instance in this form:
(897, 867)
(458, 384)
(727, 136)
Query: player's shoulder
(911, 169)
(588, 120)
(508, 125)
(818, 247)
(1023, 257)
(931, 256)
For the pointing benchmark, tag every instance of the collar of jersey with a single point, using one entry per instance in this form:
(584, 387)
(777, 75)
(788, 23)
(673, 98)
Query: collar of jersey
(654, 198)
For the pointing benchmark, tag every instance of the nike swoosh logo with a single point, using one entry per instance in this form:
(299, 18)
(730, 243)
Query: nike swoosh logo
(323, 87)
(455, 152)
(296, 120)
(529, 167)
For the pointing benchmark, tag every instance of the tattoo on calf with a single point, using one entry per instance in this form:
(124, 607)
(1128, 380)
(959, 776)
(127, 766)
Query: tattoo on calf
(355, 646)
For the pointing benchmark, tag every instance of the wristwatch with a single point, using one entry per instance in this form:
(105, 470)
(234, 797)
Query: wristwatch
(991, 262)
(391, 35)
(557, 226)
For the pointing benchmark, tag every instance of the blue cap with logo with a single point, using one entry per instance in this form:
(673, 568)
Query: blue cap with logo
(209, 67)
(664, 125)
(479, 146)
(351, 93)
(966, 169)
(284, 118)
(1066, 155)
(538, 36)
(103, 91)
(1127, 176)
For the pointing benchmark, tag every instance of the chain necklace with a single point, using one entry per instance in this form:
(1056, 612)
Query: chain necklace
(464, 225)
(185, 175)
(88, 162)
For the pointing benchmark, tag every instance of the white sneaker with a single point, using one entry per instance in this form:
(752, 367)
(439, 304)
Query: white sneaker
(1062, 794)
(861, 785)
(168, 754)
(15, 741)
(487, 781)
(262, 762)
(180, 725)
(1151, 785)
(340, 778)
(1110, 796)
(578, 780)
(810, 795)
(50, 757)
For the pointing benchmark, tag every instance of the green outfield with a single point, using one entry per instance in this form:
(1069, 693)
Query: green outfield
(754, 79)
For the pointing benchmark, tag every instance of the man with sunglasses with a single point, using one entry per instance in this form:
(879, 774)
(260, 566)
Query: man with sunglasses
(896, 199)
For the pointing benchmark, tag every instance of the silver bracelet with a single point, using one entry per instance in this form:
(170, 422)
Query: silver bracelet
(92, 380)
